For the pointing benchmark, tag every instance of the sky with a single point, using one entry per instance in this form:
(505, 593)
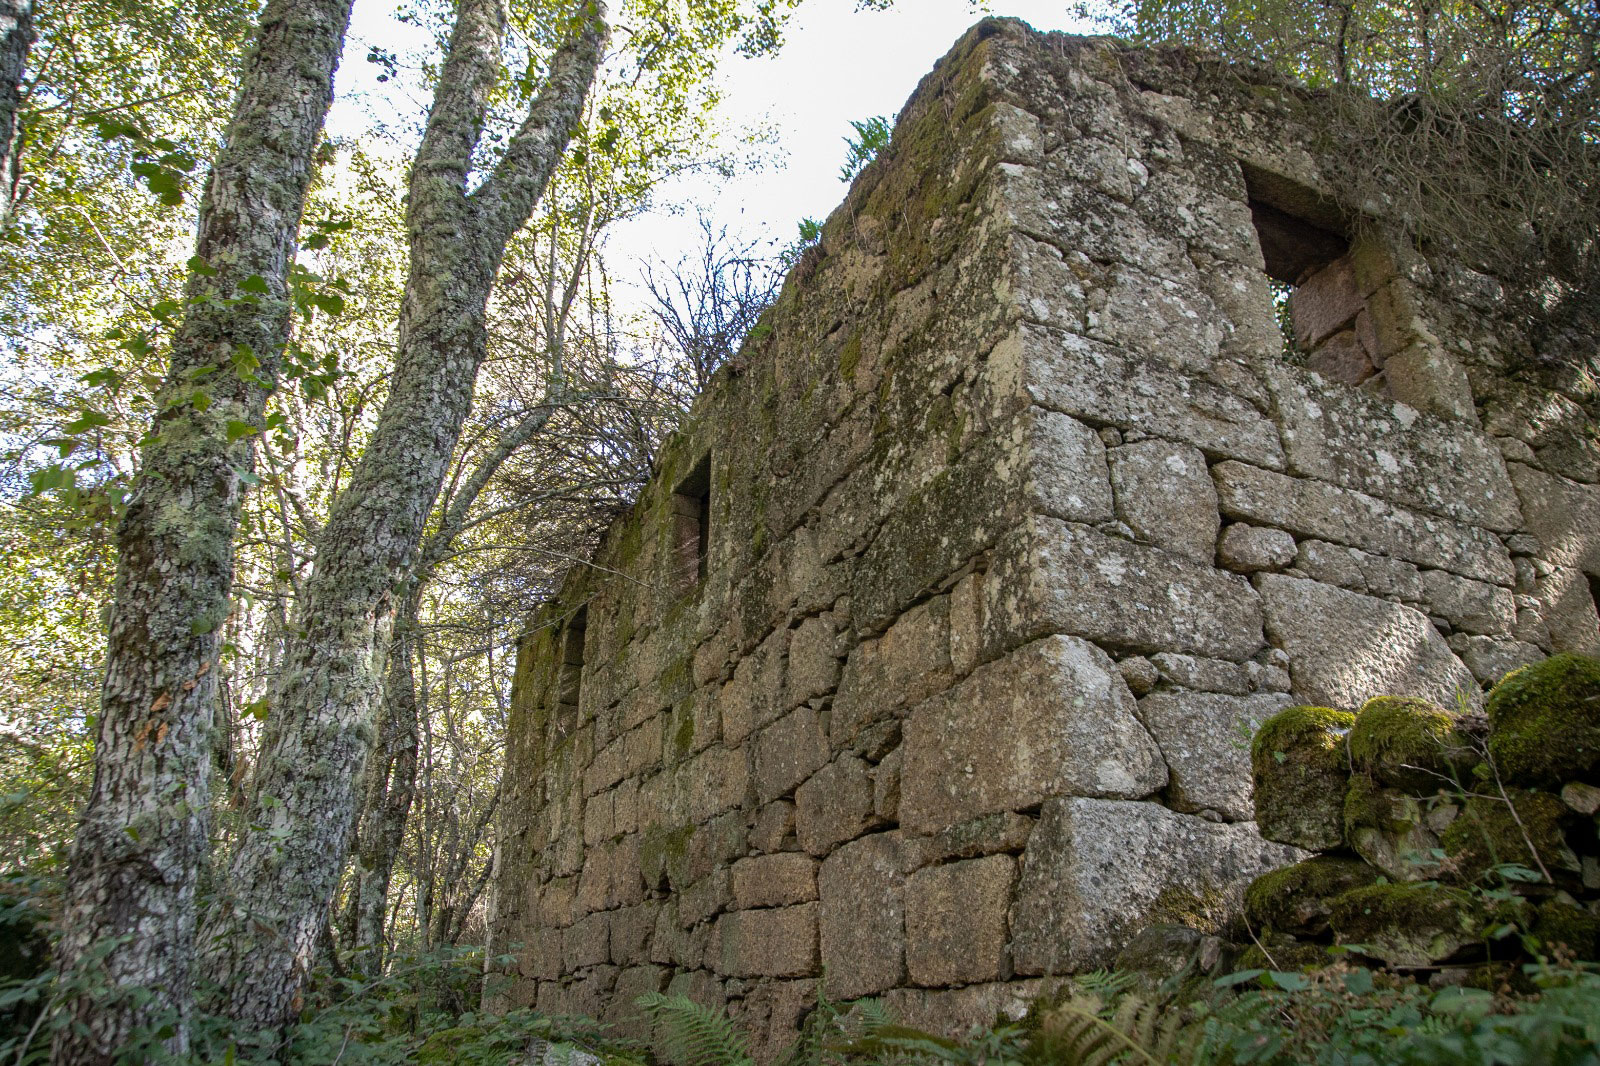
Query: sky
(837, 64)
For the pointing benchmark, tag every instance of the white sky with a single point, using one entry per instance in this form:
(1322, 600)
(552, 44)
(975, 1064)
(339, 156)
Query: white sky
(837, 64)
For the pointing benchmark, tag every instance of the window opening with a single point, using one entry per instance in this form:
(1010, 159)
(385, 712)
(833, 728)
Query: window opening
(1321, 313)
(691, 525)
(569, 683)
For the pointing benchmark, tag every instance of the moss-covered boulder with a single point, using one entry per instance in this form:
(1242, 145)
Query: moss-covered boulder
(1489, 833)
(1409, 744)
(1283, 954)
(1390, 829)
(1544, 722)
(1300, 768)
(1407, 924)
(1561, 923)
(1295, 900)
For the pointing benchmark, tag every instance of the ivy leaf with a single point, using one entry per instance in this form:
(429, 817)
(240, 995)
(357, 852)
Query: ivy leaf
(239, 430)
(254, 283)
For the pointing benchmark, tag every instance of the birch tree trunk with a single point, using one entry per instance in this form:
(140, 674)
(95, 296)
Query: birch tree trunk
(259, 944)
(129, 915)
(16, 41)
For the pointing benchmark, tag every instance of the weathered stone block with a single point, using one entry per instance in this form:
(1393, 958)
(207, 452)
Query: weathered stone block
(787, 752)
(631, 930)
(1098, 383)
(1245, 549)
(1491, 658)
(1049, 577)
(1206, 675)
(813, 668)
(775, 942)
(1080, 897)
(1070, 721)
(1325, 302)
(1567, 611)
(956, 921)
(1359, 571)
(1564, 515)
(1315, 509)
(1474, 606)
(587, 942)
(1392, 451)
(1165, 494)
(774, 880)
(1345, 648)
(910, 662)
(1203, 739)
(834, 805)
(862, 889)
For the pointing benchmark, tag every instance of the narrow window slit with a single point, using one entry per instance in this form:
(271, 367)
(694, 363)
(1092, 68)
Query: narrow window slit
(691, 517)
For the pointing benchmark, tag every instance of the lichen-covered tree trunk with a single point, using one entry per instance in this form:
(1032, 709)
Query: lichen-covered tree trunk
(259, 944)
(391, 784)
(129, 916)
(16, 40)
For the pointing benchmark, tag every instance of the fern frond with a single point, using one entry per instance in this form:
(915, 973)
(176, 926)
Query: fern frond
(693, 1035)
(1076, 1034)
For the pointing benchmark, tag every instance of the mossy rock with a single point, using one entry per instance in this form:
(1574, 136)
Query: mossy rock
(1295, 899)
(1487, 834)
(1558, 922)
(1286, 955)
(1389, 829)
(1544, 722)
(1409, 744)
(1300, 767)
(1407, 924)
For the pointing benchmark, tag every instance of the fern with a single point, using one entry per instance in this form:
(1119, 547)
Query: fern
(693, 1035)
(1078, 1033)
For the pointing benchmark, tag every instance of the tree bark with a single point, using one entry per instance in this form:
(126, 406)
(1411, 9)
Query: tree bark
(130, 907)
(391, 785)
(16, 41)
(260, 943)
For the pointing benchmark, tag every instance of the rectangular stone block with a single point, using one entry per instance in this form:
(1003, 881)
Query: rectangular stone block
(1310, 508)
(787, 752)
(587, 942)
(834, 805)
(1052, 718)
(1392, 451)
(1564, 515)
(776, 942)
(774, 880)
(956, 921)
(1050, 577)
(1133, 390)
(1359, 571)
(1165, 495)
(1205, 739)
(863, 934)
(1472, 606)
(1083, 894)
(909, 662)
(1345, 648)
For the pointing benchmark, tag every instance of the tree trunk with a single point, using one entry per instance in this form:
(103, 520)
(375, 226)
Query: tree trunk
(391, 784)
(130, 907)
(258, 946)
(16, 40)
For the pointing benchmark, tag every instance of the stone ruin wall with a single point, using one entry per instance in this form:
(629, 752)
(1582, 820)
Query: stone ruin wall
(926, 660)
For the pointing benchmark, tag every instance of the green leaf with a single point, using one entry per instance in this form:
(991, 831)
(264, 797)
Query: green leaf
(200, 400)
(331, 302)
(1289, 982)
(90, 419)
(198, 265)
(254, 283)
(239, 430)
(201, 626)
(256, 709)
(1237, 978)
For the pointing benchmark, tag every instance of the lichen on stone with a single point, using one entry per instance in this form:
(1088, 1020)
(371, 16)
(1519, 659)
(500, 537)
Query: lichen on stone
(1299, 766)
(1544, 721)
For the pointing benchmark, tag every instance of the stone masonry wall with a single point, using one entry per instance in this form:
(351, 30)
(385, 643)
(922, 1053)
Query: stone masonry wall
(926, 661)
